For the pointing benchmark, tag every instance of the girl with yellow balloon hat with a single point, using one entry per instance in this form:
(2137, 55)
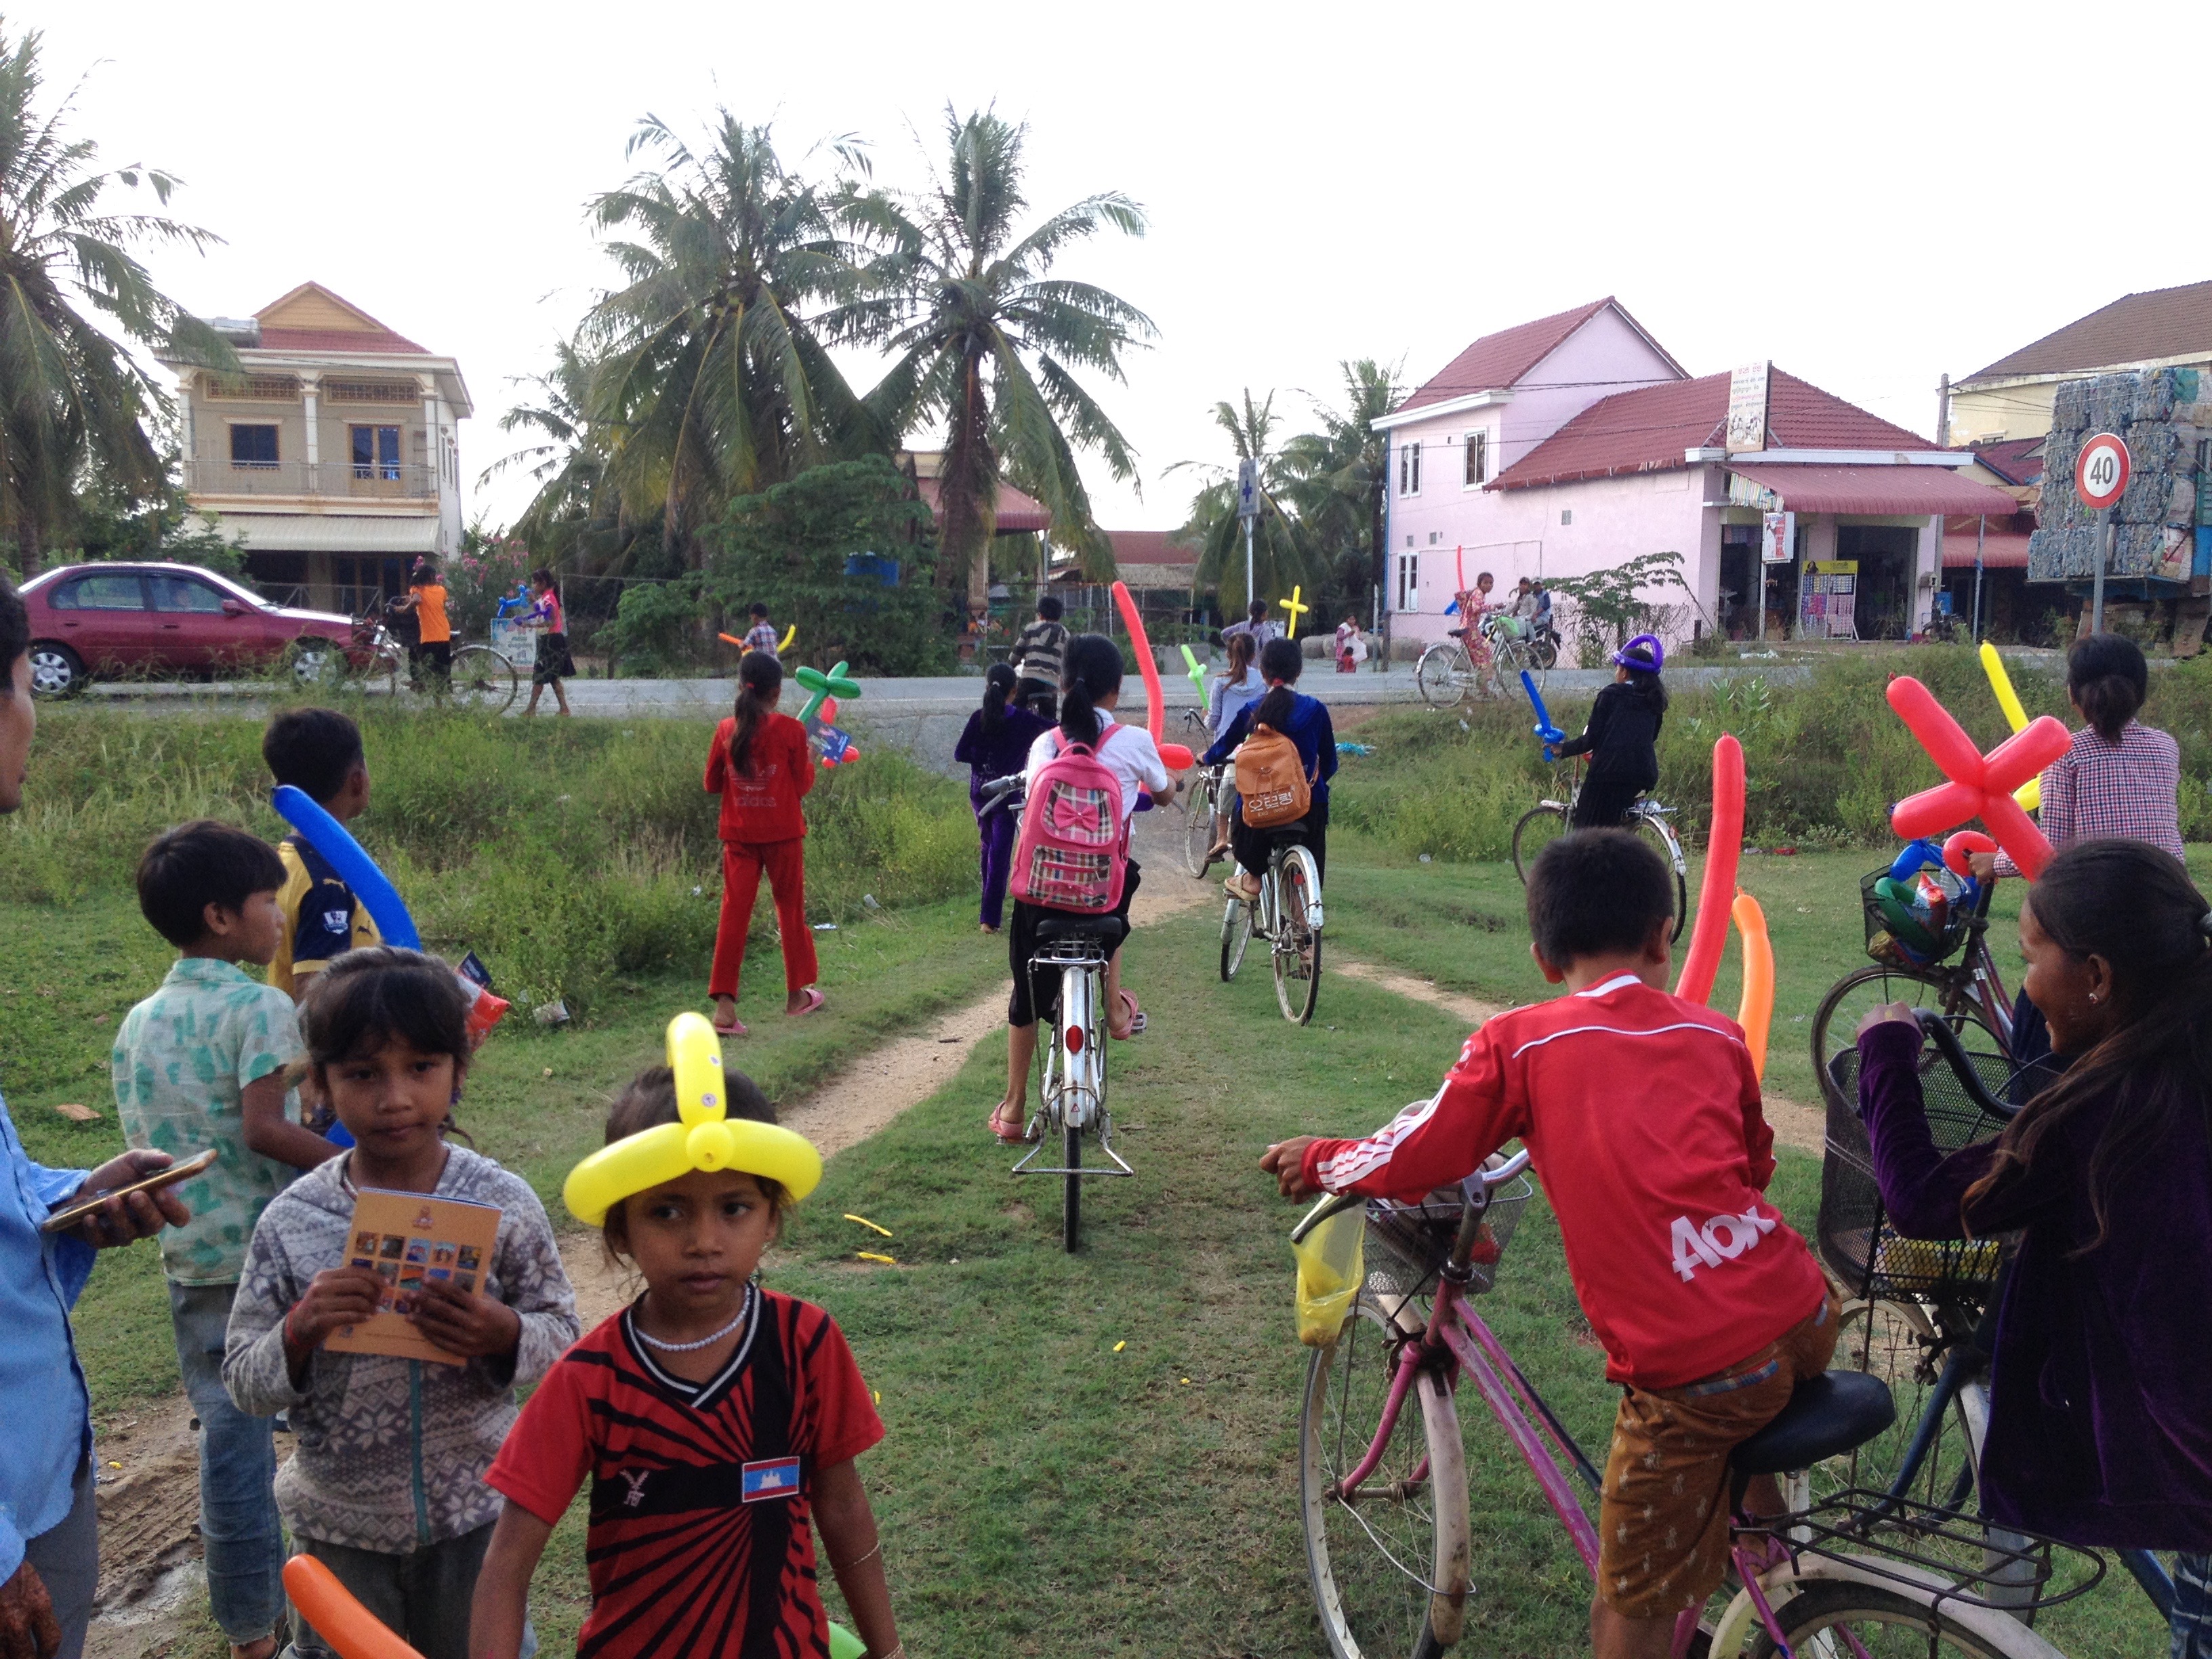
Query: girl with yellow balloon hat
(717, 1420)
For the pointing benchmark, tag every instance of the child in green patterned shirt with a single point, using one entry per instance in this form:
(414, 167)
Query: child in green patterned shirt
(202, 1063)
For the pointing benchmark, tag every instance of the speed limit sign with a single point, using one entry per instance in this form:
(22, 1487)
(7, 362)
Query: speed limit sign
(2100, 473)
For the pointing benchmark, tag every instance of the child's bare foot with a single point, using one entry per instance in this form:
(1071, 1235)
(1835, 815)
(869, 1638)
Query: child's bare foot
(265, 1647)
(1008, 1119)
(804, 1002)
(988, 928)
(725, 1017)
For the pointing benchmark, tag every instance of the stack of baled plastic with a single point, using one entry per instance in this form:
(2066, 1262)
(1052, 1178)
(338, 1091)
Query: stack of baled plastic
(2157, 413)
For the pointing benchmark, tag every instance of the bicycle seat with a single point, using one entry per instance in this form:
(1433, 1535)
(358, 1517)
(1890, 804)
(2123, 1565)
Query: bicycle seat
(1071, 929)
(1283, 834)
(1827, 1415)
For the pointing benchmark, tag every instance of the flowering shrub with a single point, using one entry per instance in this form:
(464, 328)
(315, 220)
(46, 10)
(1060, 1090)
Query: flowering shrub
(479, 576)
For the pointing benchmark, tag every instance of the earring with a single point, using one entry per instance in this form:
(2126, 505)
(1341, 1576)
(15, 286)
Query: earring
(2093, 996)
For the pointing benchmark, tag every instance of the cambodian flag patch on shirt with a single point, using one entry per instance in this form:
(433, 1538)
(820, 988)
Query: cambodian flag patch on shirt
(776, 1477)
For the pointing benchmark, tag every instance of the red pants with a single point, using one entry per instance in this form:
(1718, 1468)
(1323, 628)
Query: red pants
(742, 864)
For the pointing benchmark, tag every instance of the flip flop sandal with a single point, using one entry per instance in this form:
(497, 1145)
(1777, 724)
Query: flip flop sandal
(1022, 1137)
(1136, 1019)
(735, 1028)
(815, 1002)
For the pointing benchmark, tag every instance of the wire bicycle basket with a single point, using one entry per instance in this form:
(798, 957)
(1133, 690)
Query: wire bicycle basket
(1407, 1244)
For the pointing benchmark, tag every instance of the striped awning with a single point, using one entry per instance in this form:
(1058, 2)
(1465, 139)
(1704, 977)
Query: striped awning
(330, 532)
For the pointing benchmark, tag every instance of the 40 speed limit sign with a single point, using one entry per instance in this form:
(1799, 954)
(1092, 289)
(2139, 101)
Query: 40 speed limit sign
(2100, 472)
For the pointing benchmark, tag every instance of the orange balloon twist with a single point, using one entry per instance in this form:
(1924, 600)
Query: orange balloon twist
(350, 1629)
(1723, 851)
(1980, 785)
(1755, 1011)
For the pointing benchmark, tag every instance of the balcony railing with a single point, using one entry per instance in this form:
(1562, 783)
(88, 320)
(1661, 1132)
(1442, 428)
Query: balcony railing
(205, 477)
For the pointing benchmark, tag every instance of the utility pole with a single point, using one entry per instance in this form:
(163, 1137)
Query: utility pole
(1981, 529)
(1248, 509)
(1943, 412)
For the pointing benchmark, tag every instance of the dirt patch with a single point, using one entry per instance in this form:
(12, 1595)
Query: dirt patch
(149, 1509)
(1795, 1124)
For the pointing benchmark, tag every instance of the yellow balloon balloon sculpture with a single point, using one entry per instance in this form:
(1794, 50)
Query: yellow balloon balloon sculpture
(704, 1138)
(2029, 794)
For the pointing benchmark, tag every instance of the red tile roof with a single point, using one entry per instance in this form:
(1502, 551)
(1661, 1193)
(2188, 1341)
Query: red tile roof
(1500, 359)
(2165, 322)
(1877, 489)
(1017, 511)
(2016, 460)
(382, 341)
(1153, 547)
(1647, 430)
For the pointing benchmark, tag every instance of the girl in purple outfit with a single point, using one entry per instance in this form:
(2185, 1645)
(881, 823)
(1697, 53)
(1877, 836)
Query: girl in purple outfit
(996, 744)
(2101, 1415)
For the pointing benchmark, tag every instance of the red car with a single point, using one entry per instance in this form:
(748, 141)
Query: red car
(89, 620)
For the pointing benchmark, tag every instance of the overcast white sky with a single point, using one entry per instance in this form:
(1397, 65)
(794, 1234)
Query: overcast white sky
(1870, 195)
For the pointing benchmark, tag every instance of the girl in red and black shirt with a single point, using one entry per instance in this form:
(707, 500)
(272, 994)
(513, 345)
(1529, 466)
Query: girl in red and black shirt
(761, 767)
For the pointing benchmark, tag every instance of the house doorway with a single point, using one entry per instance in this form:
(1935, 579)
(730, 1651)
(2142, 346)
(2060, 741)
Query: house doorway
(1885, 555)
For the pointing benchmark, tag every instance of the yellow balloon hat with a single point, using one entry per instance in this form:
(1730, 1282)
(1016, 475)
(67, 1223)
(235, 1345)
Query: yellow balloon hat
(704, 1138)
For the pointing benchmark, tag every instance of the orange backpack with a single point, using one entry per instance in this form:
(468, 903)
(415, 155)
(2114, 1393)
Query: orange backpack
(1271, 777)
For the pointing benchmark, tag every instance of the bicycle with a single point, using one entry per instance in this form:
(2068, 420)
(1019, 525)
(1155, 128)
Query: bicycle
(1206, 810)
(1287, 913)
(1478, 663)
(1071, 1091)
(478, 677)
(1549, 819)
(1969, 992)
(1390, 1543)
(1921, 1305)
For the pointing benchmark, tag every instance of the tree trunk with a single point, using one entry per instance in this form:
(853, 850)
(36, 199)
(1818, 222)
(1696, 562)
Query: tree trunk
(30, 544)
(968, 487)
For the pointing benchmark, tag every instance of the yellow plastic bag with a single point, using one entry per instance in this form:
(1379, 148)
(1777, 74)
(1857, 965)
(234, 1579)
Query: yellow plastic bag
(1329, 1275)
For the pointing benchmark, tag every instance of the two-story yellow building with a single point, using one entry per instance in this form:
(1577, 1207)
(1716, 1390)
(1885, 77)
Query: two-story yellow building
(2164, 328)
(333, 458)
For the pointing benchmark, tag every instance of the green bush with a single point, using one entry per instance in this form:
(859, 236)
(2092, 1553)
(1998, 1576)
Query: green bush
(564, 853)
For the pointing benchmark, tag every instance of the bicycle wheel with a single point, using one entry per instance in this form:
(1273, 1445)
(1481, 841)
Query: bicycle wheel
(1198, 833)
(1897, 1342)
(1441, 676)
(1663, 843)
(1235, 934)
(1071, 1203)
(1835, 1026)
(484, 680)
(1297, 945)
(1828, 1620)
(1539, 827)
(1390, 1572)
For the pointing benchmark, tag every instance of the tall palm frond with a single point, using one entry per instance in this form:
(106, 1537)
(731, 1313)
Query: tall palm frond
(74, 299)
(984, 339)
(1282, 554)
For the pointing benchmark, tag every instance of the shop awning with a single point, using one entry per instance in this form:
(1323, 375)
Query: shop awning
(330, 532)
(1914, 490)
(2001, 549)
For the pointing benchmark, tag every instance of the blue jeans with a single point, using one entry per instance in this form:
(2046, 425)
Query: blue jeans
(240, 1531)
(2192, 1607)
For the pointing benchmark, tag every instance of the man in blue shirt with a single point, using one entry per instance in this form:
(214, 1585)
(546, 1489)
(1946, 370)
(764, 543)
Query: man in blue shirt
(49, 1533)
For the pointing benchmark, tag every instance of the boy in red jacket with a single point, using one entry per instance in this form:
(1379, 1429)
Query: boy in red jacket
(762, 767)
(1641, 1113)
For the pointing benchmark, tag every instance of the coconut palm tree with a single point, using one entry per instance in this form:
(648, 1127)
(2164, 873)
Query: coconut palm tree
(986, 341)
(1339, 473)
(577, 515)
(1282, 553)
(73, 300)
(708, 368)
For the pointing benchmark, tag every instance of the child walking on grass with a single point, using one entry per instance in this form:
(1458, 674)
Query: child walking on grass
(716, 1421)
(387, 1486)
(1641, 1113)
(2100, 1422)
(762, 767)
(996, 744)
(199, 1065)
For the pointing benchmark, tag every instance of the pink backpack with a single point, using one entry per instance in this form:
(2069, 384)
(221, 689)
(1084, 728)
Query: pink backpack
(1073, 851)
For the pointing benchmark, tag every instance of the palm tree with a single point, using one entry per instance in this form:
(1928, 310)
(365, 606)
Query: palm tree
(1339, 473)
(74, 299)
(576, 515)
(1282, 555)
(708, 366)
(987, 342)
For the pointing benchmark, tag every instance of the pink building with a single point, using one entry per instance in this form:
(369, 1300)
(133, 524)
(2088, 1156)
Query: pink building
(1565, 444)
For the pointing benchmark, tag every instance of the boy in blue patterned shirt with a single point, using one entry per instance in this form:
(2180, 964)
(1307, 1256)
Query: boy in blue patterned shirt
(200, 1064)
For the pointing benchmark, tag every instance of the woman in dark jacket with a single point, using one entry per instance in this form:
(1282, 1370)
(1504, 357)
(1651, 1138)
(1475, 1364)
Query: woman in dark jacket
(1622, 738)
(995, 745)
(1304, 720)
(2100, 1409)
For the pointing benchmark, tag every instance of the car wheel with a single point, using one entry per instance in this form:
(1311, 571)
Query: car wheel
(316, 662)
(56, 671)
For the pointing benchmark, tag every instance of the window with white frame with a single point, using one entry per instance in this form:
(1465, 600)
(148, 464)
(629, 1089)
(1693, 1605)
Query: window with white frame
(1478, 459)
(1409, 582)
(1409, 469)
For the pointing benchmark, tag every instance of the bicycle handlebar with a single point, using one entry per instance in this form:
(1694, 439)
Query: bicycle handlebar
(1337, 1203)
(1933, 1027)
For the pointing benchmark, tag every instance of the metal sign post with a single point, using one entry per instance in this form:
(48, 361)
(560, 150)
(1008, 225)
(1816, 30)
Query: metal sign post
(2101, 478)
(1248, 509)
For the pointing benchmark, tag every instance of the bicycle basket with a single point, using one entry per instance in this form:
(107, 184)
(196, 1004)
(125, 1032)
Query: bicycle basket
(1917, 922)
(1866, 1253)
(1408, 1243)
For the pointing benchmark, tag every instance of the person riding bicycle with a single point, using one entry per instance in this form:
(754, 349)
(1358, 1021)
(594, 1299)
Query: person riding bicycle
(2100, 1418)
(1233, 693)
(1622, 738)
(1641, 1114)
(1090, 687)
(1304, 720)
(1473, 606)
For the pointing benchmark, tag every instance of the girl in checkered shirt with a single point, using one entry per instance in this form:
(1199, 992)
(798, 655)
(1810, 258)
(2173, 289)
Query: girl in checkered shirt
(2120, 778)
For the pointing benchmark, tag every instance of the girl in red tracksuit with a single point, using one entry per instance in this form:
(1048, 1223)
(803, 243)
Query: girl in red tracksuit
(761, 767)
